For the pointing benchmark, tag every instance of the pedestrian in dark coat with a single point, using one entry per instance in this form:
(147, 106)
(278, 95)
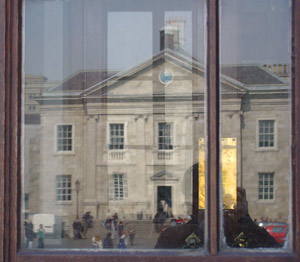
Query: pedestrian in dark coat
(107, 242)
(120, 228)
(77, 227)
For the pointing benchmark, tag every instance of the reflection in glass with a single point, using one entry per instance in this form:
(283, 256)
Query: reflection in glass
(255, 123)
(113, 115)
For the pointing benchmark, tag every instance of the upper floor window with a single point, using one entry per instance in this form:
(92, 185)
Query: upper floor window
(116, 136)
(64, 138)
(63, 188)
(266, 186)
(165, 136)
(266, 136)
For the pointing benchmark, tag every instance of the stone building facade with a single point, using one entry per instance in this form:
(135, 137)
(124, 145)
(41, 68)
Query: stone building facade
(131, 140)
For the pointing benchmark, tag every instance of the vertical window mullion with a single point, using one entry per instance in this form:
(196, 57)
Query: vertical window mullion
(212, 210)
(296, 122)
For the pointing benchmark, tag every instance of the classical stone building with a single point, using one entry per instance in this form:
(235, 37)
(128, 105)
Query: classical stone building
(132, 139)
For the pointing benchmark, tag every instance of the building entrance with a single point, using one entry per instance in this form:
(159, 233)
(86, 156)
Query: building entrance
(164, 193)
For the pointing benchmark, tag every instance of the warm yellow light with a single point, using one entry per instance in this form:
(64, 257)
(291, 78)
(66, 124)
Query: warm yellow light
(229, 173)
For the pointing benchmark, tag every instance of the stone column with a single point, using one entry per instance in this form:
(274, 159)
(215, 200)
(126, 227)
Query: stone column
(90, 200)
(140, 159)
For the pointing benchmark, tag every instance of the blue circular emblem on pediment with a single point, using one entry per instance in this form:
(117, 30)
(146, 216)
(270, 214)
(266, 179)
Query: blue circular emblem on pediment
(166, 77)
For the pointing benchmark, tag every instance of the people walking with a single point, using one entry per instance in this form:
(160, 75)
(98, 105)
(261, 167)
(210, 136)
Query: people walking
(86, 222)
(123, 240)
(107, 242)
(114, 225)
(29, 234)
(41, 236)
(97, 242)
(77, 227)
(131, 232)
(120, 228)
(88, 218)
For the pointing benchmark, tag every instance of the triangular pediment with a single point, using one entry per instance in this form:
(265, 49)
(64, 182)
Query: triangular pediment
(145, 79)
(187, 76)
(164, 176)
(142, 82)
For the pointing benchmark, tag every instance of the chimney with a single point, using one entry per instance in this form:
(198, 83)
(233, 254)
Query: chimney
(274, 68)
(280, 68)
(270, 68)
(169, 38)
(285, 68)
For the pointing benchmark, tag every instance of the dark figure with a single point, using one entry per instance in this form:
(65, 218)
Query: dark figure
(175, 237)
(159, 220)
(115, 220)
(41, 236)
(239, 229)
(108, 222)
(120, 228)
(86, 222)
(122, 240)
(107, 242)
(131, 232)
(77, 227)
(88, 218)
(29, 234)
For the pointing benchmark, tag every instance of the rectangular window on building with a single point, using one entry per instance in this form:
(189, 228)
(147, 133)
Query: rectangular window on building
(31, 107)
(64, 138)
(266, 133)
(116, 136)
(63, 188)
(266, 186)
(26, 198)
(165, 136)
(118, 187)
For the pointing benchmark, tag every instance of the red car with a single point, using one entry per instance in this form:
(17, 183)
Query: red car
(279, 232)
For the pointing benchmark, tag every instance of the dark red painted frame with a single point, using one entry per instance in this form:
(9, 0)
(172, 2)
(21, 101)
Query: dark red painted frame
(10, 157)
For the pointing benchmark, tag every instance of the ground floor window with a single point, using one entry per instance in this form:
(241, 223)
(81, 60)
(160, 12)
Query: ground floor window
(63, 188)
(118, 188)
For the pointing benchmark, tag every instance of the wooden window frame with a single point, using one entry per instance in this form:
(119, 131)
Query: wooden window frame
(10, 153)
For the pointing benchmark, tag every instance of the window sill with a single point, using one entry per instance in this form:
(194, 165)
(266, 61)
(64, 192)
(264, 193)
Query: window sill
(64, 202)
(64, 153)
(266, 149)
(266, 202)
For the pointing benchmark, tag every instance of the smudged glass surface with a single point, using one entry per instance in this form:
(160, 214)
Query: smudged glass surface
(113, 124)
(255, 124)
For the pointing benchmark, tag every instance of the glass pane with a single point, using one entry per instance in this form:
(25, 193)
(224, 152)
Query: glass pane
(117, 134)
(255, 123)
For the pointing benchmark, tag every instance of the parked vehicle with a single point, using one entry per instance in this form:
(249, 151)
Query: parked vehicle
(52, 224)
(264, 224)
(279, 232)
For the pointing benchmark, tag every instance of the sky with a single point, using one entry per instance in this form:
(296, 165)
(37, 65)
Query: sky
(64, 36)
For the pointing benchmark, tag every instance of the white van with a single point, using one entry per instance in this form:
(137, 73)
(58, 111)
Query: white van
(52, 224)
